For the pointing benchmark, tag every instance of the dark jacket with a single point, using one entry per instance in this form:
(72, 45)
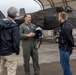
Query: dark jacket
(9, 37)
(66, 40)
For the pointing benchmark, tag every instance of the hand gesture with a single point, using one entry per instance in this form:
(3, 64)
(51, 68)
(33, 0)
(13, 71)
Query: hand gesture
(31, 34)
(41, 37)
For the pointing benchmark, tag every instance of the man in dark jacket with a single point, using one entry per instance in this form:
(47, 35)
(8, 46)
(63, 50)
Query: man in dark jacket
(9, 42)
(66, 42)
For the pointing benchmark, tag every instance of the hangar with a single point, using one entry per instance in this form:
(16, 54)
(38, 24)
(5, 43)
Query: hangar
(44, 4)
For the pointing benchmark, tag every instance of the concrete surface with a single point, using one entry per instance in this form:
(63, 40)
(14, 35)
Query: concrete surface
(48, 59)
(48, 53)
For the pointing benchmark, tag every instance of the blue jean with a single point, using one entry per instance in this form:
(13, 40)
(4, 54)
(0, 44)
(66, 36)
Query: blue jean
(64, 60)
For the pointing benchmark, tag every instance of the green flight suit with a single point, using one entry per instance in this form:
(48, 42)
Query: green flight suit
(28, 49)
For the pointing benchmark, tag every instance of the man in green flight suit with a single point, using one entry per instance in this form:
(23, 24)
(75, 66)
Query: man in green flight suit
(27, 34)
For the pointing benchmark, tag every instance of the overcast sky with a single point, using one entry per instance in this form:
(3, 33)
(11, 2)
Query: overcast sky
(29, 5)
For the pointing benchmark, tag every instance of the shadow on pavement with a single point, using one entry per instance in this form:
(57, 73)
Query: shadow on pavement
(47, 69)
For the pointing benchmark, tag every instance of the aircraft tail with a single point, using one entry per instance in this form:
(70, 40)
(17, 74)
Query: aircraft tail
(22, 12)
(2, 15)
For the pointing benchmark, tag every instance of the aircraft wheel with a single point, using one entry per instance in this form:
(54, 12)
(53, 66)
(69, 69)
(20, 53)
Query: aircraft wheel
(57, 39)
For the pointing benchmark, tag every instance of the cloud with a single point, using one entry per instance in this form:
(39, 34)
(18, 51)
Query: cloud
(29, 5)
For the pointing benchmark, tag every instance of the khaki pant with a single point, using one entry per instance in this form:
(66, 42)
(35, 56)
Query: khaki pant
(11, 63)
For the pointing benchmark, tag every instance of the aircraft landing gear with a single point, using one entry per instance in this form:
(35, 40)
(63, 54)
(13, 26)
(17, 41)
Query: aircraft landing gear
(57, 39)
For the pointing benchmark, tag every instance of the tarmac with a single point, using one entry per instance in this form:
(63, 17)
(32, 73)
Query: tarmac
(48, 60)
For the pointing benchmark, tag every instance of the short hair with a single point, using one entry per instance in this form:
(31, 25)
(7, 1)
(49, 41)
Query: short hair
(26, 15)
(12, 12)
(64, 15)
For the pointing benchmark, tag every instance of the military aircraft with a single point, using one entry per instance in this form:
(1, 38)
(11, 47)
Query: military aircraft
(47, 19)
(2, 15)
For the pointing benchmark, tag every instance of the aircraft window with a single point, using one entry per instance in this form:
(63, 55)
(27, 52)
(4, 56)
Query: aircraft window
(68, 9)
(59, 9)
